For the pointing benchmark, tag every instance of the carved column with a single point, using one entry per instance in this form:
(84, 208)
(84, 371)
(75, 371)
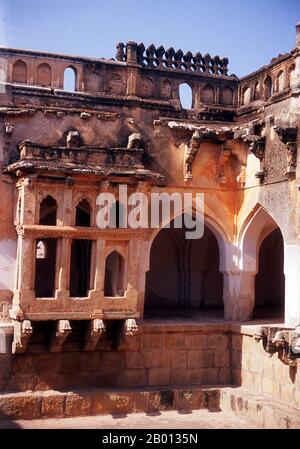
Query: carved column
(99, 270)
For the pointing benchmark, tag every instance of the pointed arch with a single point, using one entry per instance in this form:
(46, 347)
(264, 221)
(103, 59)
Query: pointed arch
(268, 87)
(48, 211)
(186, 96)
(207, 94)
(70, 79)
(83, 213)
(44, 76)
(19, 73)
(114, 281)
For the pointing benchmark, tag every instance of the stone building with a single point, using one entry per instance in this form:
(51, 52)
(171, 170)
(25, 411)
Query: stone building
(86, 307)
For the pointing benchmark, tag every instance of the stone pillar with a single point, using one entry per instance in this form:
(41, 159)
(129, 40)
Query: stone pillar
(63, 257)
(239, 295)
(292, 284)
(99, 264)
(25, 275)
(131, 52)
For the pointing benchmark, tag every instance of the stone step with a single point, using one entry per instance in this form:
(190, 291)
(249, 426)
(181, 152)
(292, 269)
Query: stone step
(49, 404)
(266, 412)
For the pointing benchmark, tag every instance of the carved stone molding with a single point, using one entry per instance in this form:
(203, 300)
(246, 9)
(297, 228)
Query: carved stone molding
(288, 136)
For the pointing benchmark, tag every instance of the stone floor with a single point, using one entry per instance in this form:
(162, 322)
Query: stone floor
(198, 419)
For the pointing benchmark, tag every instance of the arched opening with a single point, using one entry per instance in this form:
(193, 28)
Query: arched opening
(280, 81)
(114, 282)
(83, 214)
(166, 89)
(226, 96)
(44, 75)
(45, 260)
(48, 211)
(257, 91)
(19, 73)
(70, 79)
(268, 87)
(80, 268)
(207, 94)
(262, 258)
(186, 96)
(246, 95)
(184, 275)
(92, 82)
(269, 281)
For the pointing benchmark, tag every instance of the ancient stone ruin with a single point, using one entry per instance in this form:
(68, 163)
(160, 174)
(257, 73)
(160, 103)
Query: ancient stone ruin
(85, 307)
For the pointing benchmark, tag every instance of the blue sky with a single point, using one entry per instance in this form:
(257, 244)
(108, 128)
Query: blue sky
(248, 32)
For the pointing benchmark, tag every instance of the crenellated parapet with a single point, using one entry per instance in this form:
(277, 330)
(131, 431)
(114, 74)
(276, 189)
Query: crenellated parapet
(171, 59)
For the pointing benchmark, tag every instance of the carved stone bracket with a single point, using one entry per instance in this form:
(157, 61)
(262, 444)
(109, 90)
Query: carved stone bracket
(190, 154)
(22, 332)
(284, 342)
(59, 336)
(289, 137)
(96, 330)
(130, 327)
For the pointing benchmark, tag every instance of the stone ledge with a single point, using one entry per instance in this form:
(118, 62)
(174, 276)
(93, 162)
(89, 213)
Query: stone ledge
(267, 413)
(33, 405)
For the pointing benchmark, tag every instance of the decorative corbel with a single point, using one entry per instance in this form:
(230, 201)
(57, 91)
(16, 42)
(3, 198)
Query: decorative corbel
(63, 329)
(96, 329)
(289, 137)
(22, 332)
(134, 141)
(257, 145)
(190, 155)
(130, 327)
(222, 162)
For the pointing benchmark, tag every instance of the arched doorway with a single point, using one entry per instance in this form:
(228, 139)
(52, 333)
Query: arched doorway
(184, 275)
(262, 280)
(269, 281)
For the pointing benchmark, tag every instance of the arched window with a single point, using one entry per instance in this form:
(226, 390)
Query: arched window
(70, 79)
(257, 91)
(80, 268)
(44, 75)
(246, 95)
(83, 213)
(226, 96)
(207, 94)
(268, 87)
(186, 96)
(114, 282)
(19, 74)
(45, 261)
(41, 250)
(48, 211)
(280, 81)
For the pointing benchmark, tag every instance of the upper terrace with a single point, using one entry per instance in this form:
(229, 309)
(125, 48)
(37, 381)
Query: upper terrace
(146, 77)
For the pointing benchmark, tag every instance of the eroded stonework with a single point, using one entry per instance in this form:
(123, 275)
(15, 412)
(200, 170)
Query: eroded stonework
(64, 279)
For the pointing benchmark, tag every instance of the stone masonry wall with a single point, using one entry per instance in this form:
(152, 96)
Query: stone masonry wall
(159, 355)
(254, 369)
